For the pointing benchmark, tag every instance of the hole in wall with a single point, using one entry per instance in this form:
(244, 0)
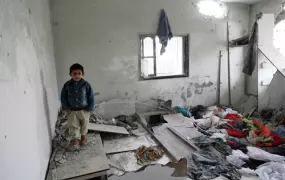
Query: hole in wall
(212, 8)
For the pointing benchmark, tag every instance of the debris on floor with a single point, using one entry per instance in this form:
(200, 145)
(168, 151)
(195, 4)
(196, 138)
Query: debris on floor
(145, 155)
(215, 142)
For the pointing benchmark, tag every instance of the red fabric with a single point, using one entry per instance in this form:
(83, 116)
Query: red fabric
(236, 133)
(234, 117)
(277, 140)
(263, 130)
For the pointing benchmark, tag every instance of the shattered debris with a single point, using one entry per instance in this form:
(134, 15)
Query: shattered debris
(231, 146)
(146, 155)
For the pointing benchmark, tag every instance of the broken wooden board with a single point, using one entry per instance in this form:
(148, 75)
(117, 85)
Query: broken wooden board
(185, 139)
(178, 120)
(188, 133)
(124, 144)
(175, 145)
(107, 128)
(88, 161)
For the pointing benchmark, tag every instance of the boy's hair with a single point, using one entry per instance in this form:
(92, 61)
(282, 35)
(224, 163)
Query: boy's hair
(76, 66)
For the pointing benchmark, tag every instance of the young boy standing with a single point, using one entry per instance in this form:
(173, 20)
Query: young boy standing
(77, 97)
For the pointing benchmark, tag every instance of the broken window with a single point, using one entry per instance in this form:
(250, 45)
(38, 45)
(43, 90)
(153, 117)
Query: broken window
(279, 36)
(173, 63)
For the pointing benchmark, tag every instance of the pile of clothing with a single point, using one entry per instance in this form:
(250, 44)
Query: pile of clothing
(233, 145)
(146, 155)
(253, 130)
(197, 112)
(210, 162)
(258, 162)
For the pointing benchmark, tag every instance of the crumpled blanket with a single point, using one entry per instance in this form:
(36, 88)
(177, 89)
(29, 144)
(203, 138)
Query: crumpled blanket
(271, 171)
(259, 154)
(146, 155)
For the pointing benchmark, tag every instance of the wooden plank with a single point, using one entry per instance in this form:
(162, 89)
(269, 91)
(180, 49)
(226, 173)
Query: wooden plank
(124, 144)
(178, 120)
(176, 146)
(107, 128)
(143, 122)
(188, 141)
(188, 133)
(90, 159)
(101, 174)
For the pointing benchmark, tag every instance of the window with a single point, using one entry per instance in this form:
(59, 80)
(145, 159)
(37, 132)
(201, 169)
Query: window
(173, 63)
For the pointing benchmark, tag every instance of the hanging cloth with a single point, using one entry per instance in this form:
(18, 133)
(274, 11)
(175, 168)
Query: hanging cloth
(164, 32)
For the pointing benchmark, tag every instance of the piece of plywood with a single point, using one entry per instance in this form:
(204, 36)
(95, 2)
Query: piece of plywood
(107, 128)
(178, 120)
(185, 139)
(124, 144)
(90, 159)
(175, 145)
(188, 133)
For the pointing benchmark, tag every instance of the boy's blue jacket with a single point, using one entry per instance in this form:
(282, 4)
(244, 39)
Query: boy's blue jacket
(77, 95)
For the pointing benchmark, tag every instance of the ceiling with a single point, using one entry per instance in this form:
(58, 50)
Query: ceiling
(243, 1)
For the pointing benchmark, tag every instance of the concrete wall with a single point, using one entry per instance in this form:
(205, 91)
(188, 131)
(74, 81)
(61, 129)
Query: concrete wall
(103, 36)
(272, 95)
(28, 89)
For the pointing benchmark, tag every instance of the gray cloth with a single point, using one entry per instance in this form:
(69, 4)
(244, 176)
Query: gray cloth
(252, 42)
(164, 32)
(251, 58)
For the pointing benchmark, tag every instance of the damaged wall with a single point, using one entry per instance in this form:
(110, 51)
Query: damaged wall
(270, 95)
(103, 36)
(28, 89)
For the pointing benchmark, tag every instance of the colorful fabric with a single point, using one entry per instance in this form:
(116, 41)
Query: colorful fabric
(146, 155)
(234, 117)
(236, 133)
(184, 111)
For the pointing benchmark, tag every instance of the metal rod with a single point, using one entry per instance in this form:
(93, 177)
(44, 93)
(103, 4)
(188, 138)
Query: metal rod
(219, 78)
(154, 56)
(229, 65)
(271, 62)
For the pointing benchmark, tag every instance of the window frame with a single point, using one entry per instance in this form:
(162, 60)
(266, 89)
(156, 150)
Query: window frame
(185, 53)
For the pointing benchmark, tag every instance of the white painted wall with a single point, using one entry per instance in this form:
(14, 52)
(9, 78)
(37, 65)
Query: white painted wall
(273, 95)
(102, 35)
(28, 89)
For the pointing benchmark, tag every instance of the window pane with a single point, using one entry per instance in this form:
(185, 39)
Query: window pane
(170, 62)
(147, 66)
(148, 47)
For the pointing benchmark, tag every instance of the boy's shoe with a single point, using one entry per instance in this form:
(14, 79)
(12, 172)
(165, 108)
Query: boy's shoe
(83, 140)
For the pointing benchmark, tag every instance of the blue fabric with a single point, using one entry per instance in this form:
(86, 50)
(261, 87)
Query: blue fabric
(280, 131)
(77, 95)
(184, 111)
(164, 32)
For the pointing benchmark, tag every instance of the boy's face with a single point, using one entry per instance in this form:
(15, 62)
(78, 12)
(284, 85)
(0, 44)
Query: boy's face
(77, 75)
